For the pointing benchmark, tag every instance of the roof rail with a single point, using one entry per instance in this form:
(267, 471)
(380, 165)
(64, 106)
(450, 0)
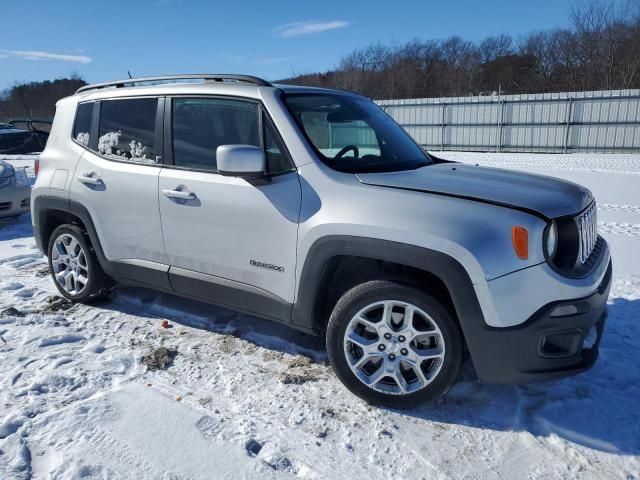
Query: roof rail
(169, 78)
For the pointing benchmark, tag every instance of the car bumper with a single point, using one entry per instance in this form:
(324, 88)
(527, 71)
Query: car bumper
(14, 200)
(560, 339)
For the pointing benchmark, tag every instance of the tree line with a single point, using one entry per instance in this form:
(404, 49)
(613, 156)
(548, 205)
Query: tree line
(36, 100)
(600, 50)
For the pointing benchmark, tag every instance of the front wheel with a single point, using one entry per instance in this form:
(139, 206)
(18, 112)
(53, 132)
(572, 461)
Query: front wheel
(394, 345)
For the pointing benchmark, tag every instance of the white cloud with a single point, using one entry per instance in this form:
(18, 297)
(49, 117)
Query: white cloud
(38, 55)
(289, 30)
(271, 61)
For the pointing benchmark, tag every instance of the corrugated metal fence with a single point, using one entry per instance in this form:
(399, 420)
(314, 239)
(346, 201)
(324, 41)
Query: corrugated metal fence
(602, 121)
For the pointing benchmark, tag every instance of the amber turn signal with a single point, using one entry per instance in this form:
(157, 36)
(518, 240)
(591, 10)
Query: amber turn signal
(520, 239)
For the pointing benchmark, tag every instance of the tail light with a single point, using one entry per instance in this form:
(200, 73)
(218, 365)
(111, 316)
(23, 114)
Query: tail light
(36, 166)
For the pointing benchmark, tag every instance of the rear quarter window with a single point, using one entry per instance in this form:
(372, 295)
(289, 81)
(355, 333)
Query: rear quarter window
(82, 125)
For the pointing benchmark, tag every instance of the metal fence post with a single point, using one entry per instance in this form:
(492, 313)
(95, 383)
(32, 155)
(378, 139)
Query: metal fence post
(567, 126)
(442, 124)
(500, 125)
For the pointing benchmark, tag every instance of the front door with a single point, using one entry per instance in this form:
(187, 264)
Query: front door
(224, 235)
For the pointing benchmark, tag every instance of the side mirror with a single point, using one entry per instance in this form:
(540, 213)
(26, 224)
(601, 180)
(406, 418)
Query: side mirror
(245, 161)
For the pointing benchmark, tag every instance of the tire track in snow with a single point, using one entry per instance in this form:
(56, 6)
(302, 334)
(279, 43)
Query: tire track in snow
(616, 228)
(609, 207)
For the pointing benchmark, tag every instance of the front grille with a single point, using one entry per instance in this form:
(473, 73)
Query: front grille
(5, 205)
(587, 223)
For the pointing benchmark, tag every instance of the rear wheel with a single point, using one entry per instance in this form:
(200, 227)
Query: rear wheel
(74, 266)
(394, 345)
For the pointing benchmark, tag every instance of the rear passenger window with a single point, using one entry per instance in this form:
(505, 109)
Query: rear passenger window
(201, 125)
(127, 129)
(82, 126)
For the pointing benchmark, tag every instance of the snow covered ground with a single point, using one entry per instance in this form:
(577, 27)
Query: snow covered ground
(245, 398)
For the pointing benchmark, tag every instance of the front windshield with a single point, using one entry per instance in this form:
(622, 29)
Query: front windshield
(352, 134)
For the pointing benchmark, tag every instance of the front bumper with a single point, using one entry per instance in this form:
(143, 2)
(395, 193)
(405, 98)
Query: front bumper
(14, 200)
(560, 339)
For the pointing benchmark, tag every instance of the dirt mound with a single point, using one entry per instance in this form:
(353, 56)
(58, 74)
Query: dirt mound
(159, 359)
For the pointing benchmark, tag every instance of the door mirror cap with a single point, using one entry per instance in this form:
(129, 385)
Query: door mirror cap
(245, 161)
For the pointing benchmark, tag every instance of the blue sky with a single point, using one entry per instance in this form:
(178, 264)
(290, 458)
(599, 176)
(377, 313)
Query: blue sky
(102, 40)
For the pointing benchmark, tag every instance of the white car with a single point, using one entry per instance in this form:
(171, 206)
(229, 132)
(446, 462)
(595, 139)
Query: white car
(15, 191)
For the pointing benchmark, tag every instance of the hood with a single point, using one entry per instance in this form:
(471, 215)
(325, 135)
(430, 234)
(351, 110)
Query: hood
(544, 196)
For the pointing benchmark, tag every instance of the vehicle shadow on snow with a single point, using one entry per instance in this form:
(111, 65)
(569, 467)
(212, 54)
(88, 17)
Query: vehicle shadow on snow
(192, 313)
(599, 409)
(13, 228)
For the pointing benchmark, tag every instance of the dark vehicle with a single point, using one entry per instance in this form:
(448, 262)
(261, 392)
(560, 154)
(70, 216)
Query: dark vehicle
(23, 136)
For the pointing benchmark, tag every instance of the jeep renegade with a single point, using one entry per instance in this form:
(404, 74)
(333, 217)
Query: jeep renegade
(312, 207)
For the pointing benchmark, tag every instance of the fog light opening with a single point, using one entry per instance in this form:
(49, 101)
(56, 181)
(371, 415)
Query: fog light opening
(560, 344)
(565, 310)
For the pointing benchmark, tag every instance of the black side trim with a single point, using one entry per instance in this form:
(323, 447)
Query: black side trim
(229, 293)
(142, 272)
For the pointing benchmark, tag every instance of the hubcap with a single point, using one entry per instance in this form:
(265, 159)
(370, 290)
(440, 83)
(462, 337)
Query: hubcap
(69, 263)
(394, 347)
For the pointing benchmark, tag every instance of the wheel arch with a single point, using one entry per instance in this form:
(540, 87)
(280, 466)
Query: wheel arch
(50, 212)
(337, 262)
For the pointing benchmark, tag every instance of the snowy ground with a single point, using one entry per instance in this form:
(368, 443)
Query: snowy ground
(245, 398)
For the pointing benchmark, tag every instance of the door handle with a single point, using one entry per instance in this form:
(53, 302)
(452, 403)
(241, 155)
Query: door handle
(181, 194)
(90, 179)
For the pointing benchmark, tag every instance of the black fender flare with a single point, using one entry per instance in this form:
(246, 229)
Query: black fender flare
(443, 266)
(45, 205)
(446, 268)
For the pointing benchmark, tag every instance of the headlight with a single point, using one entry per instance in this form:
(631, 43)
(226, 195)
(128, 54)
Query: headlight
(551, 242)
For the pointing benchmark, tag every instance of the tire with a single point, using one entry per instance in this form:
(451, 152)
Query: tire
(429, 340)
(84, 266)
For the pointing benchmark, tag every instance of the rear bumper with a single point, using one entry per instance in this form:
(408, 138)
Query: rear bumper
(560, 339)
(14, 200)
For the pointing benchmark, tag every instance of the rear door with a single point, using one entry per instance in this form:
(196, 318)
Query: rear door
(116, 179)
(231, 233)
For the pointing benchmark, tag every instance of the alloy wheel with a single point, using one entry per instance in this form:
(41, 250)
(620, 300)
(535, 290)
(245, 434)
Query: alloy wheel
(394, 347)
(69, 261)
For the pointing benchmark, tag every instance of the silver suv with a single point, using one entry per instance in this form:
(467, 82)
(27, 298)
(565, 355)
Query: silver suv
(312, 207)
